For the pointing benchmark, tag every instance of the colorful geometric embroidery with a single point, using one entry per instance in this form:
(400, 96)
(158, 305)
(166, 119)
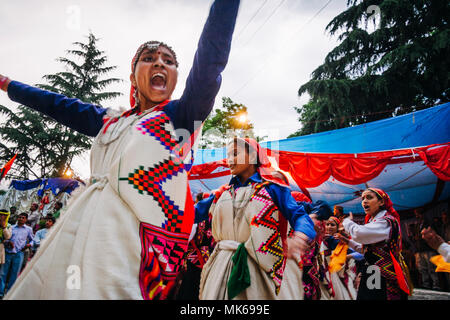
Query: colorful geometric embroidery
(125, 114)
(150, 181)
(381, 251)
(273, 245)
(155, 127)
(161, 259)
(310, 275)
(202, 245)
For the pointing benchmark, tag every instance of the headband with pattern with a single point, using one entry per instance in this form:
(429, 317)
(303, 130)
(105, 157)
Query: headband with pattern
(387, 204)
(152, 46)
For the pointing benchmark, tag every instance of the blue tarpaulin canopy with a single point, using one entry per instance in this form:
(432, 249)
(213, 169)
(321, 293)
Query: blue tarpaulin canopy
(421, 128)
(410, 185)
(56, 185)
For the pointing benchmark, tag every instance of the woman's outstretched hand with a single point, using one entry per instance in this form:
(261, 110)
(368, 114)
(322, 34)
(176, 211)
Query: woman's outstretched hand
(350, 215)
(4, 82)
(343, 237)
(297, 245)
(432, 238)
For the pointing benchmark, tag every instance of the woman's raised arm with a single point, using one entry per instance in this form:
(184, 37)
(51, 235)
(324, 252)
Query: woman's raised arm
(83, 117)
(211, 57)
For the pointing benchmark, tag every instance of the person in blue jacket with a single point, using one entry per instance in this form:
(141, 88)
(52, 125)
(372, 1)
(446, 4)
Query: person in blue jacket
(124, 235)
(253, 257)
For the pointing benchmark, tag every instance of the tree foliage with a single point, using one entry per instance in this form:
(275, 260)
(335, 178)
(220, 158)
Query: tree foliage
(399, 67)
(45, 147)
(224, 122)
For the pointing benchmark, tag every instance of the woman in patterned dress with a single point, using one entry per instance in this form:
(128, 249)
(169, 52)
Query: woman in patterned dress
(124, 236)
(343, 279)
(253, 259)
(316, 283)
(384, 274)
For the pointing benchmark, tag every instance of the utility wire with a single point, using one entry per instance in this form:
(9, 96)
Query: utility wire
(294, 33)
(251, 19)
(265, 21)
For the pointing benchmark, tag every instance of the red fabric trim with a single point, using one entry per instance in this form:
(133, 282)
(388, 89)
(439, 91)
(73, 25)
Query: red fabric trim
(438, 160)
(129, 112)
(401, 280)
(199, 254)
(310, 170)
(204, 171)
(189, 212)
(298, 196)
(282, 229)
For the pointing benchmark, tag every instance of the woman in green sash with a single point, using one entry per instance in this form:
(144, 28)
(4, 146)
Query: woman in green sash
(250, 220)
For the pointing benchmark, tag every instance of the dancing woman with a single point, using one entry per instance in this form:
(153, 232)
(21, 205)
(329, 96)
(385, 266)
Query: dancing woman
(250, 219)
(380, 241)
(316, 282)
(124, 236)
(342, 280)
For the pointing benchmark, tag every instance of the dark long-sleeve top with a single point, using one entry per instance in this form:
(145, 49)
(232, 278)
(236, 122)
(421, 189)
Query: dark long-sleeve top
(281, 196)
(195, 104)
(331, 243)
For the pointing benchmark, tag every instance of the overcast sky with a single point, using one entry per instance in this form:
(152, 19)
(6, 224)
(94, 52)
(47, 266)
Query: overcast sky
(270, 58)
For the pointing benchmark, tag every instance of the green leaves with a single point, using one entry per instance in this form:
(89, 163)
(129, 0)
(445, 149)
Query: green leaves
(231, 117)
(399, 67)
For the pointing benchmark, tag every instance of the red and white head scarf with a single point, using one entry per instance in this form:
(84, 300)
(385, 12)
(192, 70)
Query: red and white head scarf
(264, 167)
(389, 206)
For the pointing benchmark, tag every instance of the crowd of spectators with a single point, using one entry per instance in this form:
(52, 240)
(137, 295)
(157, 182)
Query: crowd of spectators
(20, 238)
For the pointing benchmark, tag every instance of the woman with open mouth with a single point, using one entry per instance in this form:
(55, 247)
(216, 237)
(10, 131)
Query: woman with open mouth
(250, 217)
(342, 280)
(123, 236)
(384, 274)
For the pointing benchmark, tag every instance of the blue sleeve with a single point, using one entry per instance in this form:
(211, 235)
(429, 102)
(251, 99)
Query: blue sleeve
(332, 243)
(211, 57)
(30, 235)
(83, 117)
(293, 212)
(356, 255)
(202, 209)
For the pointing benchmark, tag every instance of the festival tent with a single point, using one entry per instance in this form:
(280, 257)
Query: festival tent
(45, 192)
(408, 156)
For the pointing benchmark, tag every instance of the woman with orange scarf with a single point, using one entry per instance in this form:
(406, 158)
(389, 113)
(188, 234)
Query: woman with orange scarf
(384, 274)
(339, 261)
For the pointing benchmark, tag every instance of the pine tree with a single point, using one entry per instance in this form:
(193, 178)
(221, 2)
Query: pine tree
(400, 67)
(46, 148)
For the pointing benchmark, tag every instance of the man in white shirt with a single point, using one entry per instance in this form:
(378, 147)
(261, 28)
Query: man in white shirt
(42, 233)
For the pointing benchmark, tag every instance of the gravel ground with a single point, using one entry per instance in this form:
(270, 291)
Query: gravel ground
(422, 294)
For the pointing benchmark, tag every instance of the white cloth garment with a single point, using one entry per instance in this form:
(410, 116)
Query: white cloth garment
(94, 249)
(235, 221)
(444, 251)
(374, 231)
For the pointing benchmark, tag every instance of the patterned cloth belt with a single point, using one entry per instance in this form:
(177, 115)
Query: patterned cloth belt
(99, 181)
(228, 245)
